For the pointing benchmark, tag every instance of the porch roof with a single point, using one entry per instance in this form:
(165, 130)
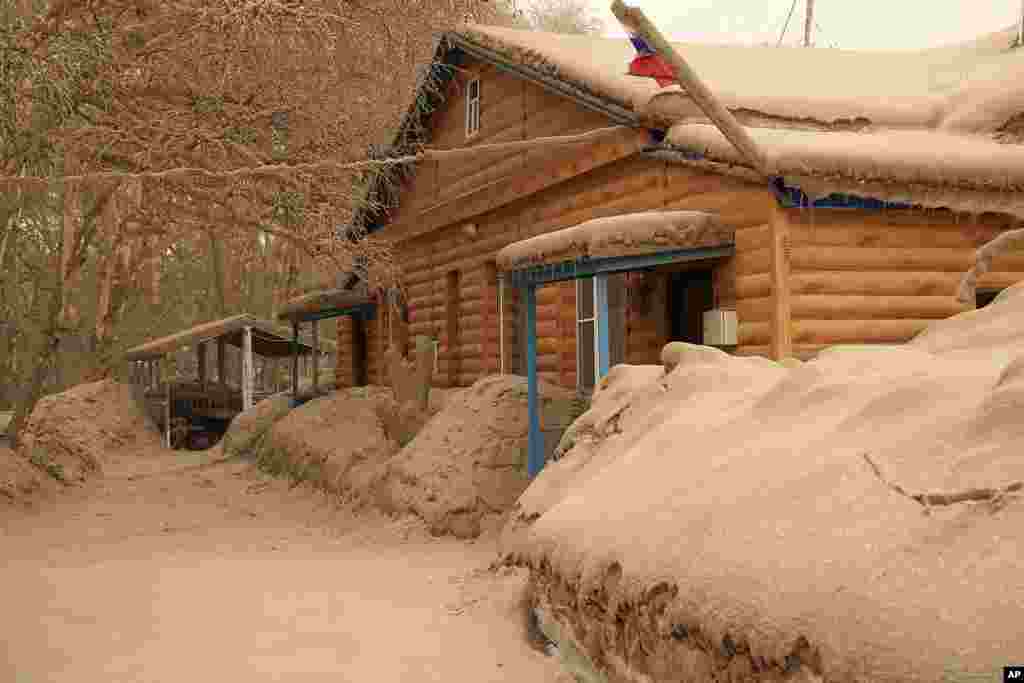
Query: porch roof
(325, 303)
(623, 242)
(268, 340)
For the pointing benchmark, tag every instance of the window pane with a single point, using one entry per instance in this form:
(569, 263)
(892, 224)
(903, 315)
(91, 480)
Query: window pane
(585, 361)
(585, 298)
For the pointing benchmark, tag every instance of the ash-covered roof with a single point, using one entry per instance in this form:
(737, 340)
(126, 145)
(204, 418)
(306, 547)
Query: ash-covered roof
(626, 235)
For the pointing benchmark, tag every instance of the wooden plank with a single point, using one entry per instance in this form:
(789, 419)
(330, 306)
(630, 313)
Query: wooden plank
(782, 333)
(937, 259)
(835, 234)
(315, 333)
(869, 307)
(201, 354)
(753, 237)
(856, 331)
(505, 191)
(738, 207)
(247, 369)
(754, 262)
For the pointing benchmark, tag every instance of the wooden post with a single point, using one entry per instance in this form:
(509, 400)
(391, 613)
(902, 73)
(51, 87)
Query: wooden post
(316, 355)
(602, 324)
(201, 359)
(167, 402)
(246, 368)
(635, 21)
(295, 360)
(781, 331)
(534, 444)
(222, 362)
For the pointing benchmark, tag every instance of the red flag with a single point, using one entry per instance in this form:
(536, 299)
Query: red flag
(649, 64)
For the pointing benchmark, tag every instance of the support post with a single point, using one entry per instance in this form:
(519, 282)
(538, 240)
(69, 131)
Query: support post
(201, 360)
(316, 356)
(222, 376)
(781, 331)
(635, 21)
(534, 444)
(295, 360)
(167, 401)
(246, 368)
(603, 324)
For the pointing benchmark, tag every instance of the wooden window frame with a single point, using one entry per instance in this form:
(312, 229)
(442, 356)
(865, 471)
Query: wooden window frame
(592, 281)
(473, 108)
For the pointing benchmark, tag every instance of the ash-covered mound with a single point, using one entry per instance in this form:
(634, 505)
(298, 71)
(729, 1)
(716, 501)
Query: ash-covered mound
(464, 471)
(858, 517)
(71, 435)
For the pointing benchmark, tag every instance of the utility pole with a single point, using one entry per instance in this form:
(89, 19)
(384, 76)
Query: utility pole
(809, 22)
(1020, 26)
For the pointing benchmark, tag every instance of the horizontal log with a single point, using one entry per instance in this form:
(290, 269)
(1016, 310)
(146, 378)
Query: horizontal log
(858, 307)
(622, 205)
(549, 345)
(753, 262)
(548, 363)
(594, 190)
(888, 236)
(800, 351)
(551, 294)
(487, 171)
(874, 258)
(470, 247)
(738, 208)
(753, 333)
(419, 277)
(906, 283)
(489, 197)
(753, 237)
(754, 309)
(754, 286)
(933, 218)
(856, 331)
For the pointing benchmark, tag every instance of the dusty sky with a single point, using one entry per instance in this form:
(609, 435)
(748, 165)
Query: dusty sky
(849, 24)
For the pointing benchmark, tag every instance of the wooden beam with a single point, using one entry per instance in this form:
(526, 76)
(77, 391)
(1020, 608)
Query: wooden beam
(201, 361)
(167, 401)
(295, 360)
(222, 362)
(316, 356)
(635, 21)
(781, 330)
(531, 180)
(246, 368)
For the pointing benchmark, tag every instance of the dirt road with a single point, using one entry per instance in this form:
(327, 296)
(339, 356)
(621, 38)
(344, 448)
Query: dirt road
(220, 574)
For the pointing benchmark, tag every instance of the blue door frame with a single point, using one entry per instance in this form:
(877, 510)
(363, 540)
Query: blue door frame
(529, 279)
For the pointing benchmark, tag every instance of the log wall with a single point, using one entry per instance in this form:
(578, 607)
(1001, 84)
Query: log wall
(867, 276)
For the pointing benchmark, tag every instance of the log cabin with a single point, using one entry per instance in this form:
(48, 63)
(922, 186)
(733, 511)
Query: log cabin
(887, 171)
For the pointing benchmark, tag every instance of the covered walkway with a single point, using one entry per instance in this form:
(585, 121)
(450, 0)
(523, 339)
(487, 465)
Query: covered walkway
(598, 248)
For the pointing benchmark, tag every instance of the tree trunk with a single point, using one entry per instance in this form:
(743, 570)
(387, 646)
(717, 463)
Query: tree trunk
(43, 363)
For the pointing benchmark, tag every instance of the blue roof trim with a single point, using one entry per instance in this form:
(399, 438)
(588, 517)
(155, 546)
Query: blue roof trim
(587, 267)
(791, 196)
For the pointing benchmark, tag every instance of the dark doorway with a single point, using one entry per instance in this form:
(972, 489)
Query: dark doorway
(983, 297)
(690, 294)
(359, 347)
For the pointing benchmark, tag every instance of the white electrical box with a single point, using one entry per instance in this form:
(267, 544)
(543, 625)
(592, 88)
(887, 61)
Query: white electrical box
(719, 327)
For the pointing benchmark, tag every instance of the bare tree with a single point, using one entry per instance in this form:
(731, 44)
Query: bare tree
(134, 134)
(553, 16)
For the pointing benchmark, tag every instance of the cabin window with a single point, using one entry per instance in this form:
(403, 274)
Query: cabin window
(473, 108)
(586, 335)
